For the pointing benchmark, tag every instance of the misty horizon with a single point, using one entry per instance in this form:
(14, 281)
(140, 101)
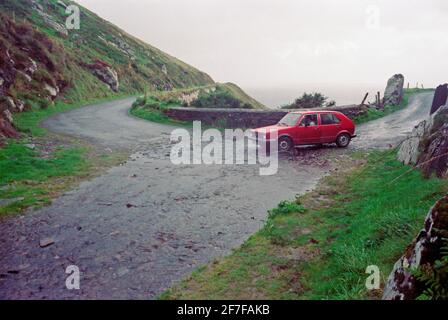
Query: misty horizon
(341, 49)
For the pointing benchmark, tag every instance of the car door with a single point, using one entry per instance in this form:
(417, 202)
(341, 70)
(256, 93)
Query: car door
(309, 130)
(330, 126)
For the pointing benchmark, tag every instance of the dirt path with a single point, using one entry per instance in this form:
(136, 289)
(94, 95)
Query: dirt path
(147, 223)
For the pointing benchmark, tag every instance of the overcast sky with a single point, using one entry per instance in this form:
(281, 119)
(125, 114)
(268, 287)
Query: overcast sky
(286, 43)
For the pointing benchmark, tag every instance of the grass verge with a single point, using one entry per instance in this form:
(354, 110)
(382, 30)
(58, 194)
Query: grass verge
(151, 109)
(319, 246)
(373, 114)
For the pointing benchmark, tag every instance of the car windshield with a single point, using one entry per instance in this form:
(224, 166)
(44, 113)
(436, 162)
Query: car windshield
(290, 119)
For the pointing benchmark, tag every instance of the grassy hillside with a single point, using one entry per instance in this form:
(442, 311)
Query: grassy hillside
(36, 29)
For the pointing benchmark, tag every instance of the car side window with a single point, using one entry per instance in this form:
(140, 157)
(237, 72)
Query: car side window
(309, 120)
(329, 118)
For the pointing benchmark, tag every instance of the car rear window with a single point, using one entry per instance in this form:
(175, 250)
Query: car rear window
(329, 118)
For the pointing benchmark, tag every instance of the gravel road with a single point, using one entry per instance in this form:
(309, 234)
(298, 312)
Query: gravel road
(147, 223)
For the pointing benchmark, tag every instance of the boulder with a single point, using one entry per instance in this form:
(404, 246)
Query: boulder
(409, 149)
(105, 73)
(427, 145)
(7, 130)
(49, 20)
(164, 70)
(434, 147)
(53, 91)
(440, 97)
(393, 95)
(8, 115)
(20, 105)
(14, 106)
(32, 68)
(424, 251)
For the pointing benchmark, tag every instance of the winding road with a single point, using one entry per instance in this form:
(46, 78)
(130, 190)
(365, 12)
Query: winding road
(147, 223)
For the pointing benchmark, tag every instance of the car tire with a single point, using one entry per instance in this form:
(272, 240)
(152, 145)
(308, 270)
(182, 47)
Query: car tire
(284, 144)
(343, 140)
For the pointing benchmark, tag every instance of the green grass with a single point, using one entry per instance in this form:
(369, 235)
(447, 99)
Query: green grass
(141, 67)
(25, 172)
(151, 115)
(373, 114)
(319, 246)
(19, 163)
(151, 109)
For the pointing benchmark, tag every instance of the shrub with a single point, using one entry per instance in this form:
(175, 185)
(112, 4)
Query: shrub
(218, 99)
(308, 100)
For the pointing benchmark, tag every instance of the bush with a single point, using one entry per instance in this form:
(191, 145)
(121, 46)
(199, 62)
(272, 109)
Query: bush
(218, 99)
(308, 100)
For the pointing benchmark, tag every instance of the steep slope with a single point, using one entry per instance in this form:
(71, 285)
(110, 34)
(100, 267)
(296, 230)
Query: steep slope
(41, 61)
(138, 65)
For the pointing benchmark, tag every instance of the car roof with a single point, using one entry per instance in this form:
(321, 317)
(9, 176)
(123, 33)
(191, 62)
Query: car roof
(307, 111)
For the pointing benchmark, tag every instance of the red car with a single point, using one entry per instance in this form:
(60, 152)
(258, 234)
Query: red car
(310, 127)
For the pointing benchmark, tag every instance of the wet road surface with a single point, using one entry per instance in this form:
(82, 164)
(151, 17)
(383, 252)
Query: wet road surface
(147, 223)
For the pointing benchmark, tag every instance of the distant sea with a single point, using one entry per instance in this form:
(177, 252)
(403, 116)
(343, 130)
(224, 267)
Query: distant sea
(343, 95)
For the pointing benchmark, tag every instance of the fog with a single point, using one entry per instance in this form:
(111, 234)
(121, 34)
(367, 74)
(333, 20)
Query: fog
(292, 46)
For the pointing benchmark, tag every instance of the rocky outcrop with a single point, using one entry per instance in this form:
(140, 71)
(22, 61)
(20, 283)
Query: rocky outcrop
(120, 44)
(394, 90)
(440, 97)
(105, 73)
(427, 146)
(53, 91)
(434, 157)
(27, 66)
(49, 20)
(27, 55)
(409, 150)
(424, 251)
(187, 98)
(7, 129)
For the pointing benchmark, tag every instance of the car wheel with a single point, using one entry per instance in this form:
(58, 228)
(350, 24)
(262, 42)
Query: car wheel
(284, 144)
(343, 140)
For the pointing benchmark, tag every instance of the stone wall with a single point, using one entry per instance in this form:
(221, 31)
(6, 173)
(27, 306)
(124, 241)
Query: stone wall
(244, 118)
(230, 118)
